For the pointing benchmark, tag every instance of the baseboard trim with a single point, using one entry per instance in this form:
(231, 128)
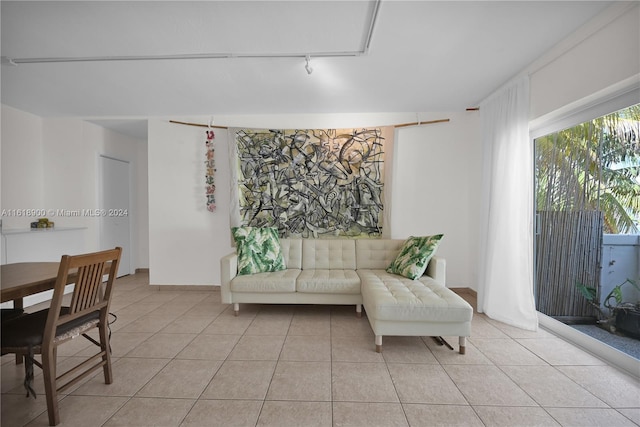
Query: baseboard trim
(142, 270)
(468, 291)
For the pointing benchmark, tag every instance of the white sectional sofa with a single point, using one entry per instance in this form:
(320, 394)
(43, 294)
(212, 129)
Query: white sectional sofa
(353, 271)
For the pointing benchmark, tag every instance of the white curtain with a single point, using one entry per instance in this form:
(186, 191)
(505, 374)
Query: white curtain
(505, 291)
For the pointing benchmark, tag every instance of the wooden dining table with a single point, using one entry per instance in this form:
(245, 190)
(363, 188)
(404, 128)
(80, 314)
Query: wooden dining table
(22, 279)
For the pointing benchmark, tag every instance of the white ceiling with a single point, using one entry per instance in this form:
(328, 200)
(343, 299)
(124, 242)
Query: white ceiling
(423, 55)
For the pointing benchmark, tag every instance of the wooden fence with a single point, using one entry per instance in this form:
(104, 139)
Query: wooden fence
(569, 251)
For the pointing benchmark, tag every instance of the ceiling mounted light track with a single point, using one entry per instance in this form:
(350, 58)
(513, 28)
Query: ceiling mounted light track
(17, 61)
(213, 55)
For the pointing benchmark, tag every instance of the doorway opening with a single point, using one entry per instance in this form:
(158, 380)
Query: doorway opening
(115, 227)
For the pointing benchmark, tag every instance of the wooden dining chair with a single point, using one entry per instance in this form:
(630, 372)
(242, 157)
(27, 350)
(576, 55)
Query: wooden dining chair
(43, 331)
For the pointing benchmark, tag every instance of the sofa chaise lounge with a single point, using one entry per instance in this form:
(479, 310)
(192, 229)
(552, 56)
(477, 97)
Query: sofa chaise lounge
(353, 271)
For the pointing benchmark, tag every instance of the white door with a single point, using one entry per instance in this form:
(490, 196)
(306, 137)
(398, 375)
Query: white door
(114, 224)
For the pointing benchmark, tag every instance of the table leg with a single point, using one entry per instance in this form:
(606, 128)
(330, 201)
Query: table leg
(18, 303)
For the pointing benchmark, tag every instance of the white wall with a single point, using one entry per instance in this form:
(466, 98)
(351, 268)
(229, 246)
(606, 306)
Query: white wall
(600, 55)
(22, 164)
(52, 164)
(436, 189)
(620, 261)
(187, 241)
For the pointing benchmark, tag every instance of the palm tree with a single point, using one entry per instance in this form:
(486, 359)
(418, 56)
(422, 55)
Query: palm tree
(594, 166)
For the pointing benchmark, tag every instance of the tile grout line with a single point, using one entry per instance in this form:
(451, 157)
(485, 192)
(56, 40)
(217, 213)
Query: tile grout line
(159, 331)
(129, 398)
(502, 367)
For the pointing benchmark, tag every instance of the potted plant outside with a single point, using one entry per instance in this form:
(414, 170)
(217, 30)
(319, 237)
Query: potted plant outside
(617, 314)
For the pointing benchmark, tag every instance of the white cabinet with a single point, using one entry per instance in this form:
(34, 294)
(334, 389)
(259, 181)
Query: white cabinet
(45, 244)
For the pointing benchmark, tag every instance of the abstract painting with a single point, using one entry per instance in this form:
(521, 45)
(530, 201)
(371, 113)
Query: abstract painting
(312, 182)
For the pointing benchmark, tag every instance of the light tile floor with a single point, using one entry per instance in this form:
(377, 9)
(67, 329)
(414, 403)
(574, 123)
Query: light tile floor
(182, 359)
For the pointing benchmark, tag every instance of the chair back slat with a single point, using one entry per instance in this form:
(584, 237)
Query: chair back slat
(88, 287)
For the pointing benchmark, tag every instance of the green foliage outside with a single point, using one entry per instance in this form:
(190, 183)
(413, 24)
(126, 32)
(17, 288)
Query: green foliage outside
(613, 302)
(594, 166)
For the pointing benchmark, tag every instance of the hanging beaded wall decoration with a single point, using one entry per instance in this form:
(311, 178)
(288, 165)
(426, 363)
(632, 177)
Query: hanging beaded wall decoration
(211, 168)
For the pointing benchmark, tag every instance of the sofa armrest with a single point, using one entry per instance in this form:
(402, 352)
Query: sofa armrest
(228, 270)
(437, 269)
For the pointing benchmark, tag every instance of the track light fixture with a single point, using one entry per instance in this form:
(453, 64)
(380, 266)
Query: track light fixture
(308, 67)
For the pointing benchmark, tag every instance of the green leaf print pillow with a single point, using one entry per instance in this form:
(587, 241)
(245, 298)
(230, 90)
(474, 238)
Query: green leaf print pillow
(258, 249)
(414, 256)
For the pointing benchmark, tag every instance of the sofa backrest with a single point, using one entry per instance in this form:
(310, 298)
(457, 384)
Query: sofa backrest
(328, 254)
(377, 254)
(292, 252)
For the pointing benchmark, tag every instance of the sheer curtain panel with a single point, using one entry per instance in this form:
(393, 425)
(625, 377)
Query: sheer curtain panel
(505, 291)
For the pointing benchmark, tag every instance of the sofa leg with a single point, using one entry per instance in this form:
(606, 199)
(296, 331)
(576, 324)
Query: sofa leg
(236, 309)
(462, 342)
(358, 310)
(378, 343)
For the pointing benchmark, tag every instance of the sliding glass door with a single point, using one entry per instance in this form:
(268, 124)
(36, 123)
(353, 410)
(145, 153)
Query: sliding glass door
(587, 185)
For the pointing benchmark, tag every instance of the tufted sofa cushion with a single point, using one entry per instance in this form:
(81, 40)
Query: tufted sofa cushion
(377, 253)
(328, 254)
(388, 296)
(292, 252)
(328, 282)
(274, 281)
